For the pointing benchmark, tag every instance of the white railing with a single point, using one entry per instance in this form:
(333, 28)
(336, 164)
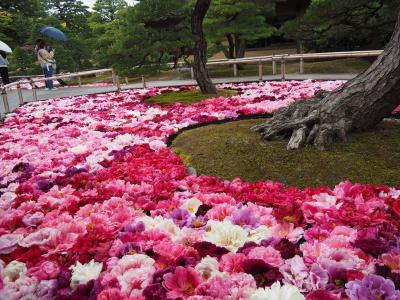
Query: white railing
(260, 60)
(283, 59)
(34, 80)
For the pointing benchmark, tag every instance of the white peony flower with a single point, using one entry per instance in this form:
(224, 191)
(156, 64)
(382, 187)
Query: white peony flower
(225, 234)
(278, 292)
(159, 223)
(79, 149)
(82, 274)
(192, 205)
(260, 233)
(13, 271)
(208, 267)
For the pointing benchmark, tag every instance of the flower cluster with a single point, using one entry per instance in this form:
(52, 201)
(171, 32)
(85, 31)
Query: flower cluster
(94, 205)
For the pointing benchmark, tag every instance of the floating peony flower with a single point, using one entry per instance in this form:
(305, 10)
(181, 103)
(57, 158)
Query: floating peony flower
(8, 242)
(207, 268)
(82, 274)
(191, 205)
(278, 292)
(182, 283)
(372, 287)
(226, 235)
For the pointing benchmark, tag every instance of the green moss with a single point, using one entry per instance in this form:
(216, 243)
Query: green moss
(231, 150)
(186, 97)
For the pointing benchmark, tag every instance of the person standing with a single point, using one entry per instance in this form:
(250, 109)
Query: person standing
(46, 61)
(4, 68)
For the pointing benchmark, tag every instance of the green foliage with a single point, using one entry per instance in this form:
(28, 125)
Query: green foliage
(108, 8)
(230, 24)
(344, 24)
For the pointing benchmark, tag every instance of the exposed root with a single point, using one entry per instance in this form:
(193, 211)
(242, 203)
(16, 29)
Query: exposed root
(303, 124)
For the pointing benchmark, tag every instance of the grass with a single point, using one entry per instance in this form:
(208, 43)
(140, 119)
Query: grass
(186, 97)
(231, 150)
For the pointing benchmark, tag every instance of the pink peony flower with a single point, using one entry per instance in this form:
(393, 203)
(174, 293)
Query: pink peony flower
(182, 283)
(232, 263)
(46, 270)
(267, 254)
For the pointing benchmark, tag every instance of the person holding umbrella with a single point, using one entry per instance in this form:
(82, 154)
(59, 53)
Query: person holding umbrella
(46, 61)
(4, 67)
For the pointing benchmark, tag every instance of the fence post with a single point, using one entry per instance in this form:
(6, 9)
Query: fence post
(301, 65)
(5, 100)
(273, 65)
(126, 80)
(79, 81)
(191, 73)
(143, 82)
(21, 99)
(235, 70)
(34, 94)
(118, 84)
(113, 76)
(260, 70)
(283, 68)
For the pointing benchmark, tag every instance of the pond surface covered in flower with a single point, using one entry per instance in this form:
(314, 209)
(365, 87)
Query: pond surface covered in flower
(94, 205)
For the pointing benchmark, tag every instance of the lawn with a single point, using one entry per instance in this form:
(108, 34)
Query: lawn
(231, 150)
(186, 97)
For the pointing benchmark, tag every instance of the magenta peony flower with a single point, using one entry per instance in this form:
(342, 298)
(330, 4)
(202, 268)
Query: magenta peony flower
(181, 217)
(372, 287)
(46, 270)
(182, 283)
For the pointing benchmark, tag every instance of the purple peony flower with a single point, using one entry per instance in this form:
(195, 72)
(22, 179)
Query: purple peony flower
(372, 287)
(386, 272)
(286, 248)
(245, 218)
(154, 292)
(198, 222)
(180, 216)
(44, 185)
(264, 274)
(207, 248)
(131, 248)
(134, 227)
(376, 240)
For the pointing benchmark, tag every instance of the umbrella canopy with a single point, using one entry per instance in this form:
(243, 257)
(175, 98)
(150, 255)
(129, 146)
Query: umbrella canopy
(54, 33)
(4, 47)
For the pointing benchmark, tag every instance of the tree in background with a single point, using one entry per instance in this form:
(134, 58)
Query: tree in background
(344, 24)
(230, 24)
(108, 8)
(71, 17)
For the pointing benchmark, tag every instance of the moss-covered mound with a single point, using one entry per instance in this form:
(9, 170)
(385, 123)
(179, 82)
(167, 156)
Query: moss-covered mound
(231, 150)
(186, 97)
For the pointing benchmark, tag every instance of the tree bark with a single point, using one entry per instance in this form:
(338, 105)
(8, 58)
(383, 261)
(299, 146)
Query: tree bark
(200, 50)
(358, 105)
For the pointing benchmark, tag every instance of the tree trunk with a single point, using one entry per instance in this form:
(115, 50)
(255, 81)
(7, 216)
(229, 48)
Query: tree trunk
(240, 47)
(231, 47)
(200, 49)
(358, 105)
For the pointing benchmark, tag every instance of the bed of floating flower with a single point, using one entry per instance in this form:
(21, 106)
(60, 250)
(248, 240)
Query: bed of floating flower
(94, 205)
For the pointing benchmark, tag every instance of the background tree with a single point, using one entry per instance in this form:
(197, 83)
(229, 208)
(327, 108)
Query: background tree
(231, 24)
(358, 105)
(108, 8)
(72, 18)
(344, 24)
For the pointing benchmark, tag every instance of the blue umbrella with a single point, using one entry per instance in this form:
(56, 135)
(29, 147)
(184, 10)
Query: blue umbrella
(54, 33)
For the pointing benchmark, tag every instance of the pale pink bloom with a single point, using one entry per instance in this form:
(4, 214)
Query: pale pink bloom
(288, 231)
(220, 212)
(44, 236)
(8, 242)
(267, 254)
